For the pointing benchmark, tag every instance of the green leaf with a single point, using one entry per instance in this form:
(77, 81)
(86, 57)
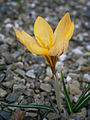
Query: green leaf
(44, 107)
(82, 99)
(86, 98)
(69, 103)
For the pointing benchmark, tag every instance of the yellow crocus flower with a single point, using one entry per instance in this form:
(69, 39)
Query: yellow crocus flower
(49, 44)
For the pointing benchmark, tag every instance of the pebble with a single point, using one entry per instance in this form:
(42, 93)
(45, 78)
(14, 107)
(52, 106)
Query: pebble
(19, 88)
(20, 72)
(6, 115)
(30, 74)
(88, 47)
(59, 66)
(8, 84)
(87, 77)
(2, 76)
(12, 97)
(49, 72)
(77, 51)
(68, 79)
(76, 83)
(63, 57)
(81, 61)
(74, 90)
(88, 113)
(45, 87)
(3, 93)
(29, 92)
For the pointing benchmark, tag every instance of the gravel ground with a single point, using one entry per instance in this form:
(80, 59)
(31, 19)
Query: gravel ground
(27, 78)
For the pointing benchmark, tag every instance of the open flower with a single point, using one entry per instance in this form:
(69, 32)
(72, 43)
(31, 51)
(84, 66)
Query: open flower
(48, 44)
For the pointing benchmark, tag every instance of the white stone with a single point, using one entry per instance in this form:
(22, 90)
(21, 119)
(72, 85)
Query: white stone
(30, 74)
(87, 77)
(63, 57)
(68, 79)
(9, 25)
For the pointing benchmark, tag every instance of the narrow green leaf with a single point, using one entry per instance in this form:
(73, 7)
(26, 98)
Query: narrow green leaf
(44, 107)
(86, 98)
(69, 103)
(82, 97)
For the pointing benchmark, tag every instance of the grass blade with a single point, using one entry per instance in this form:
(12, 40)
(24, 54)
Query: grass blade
(44, 107)
(81, 104)
(69, 103)
(82, 97)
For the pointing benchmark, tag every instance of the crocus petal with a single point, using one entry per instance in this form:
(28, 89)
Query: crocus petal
(30, 43)
(43, 33)
(64, 22)
(61, 45)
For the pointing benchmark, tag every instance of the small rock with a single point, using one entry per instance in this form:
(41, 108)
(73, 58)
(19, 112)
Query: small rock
(63, 57)
(6, 115)
(78, 117)
(19, 65)
(68, 79)
(59, 66)
(29, 92)
(20, 72)
(9, 58)
(49, 72)
(53, 116)
(12, 97)
(30, 74)
(20, 88)
(87, 77)
(83, 112)
(81, 61)
(45, 87)
(2, 76)
(8, 84)
(74, 89)
(3, 93)
(88, 47)
(76, 83)
(77, 51)
(88, 113)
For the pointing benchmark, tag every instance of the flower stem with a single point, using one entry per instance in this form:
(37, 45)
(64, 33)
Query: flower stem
(57, 91)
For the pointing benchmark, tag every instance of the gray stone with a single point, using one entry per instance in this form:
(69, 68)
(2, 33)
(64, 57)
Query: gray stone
(81, 61)
(89, 113)
(20, 88)
(12, 97)
(8, 84)
(76, 83)
(77, 51)
(3, 93)
(30, 74)
(6, 115)
(45, 87)
(29, 92)
(2, 76)
(49, 72)
(74, 90)
(20, 72)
